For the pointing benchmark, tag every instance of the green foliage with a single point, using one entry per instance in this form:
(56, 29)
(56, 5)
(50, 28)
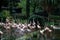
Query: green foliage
(37, 18)
(5, 14)
(55, 17)
(35, 5)
(23, 4)
(19, 5)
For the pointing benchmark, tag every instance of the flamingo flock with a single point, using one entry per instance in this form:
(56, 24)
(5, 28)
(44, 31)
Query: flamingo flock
(20, 29)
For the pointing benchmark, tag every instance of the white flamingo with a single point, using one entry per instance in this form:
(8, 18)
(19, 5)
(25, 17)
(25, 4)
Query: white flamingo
(42, 31)
(1, 32)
